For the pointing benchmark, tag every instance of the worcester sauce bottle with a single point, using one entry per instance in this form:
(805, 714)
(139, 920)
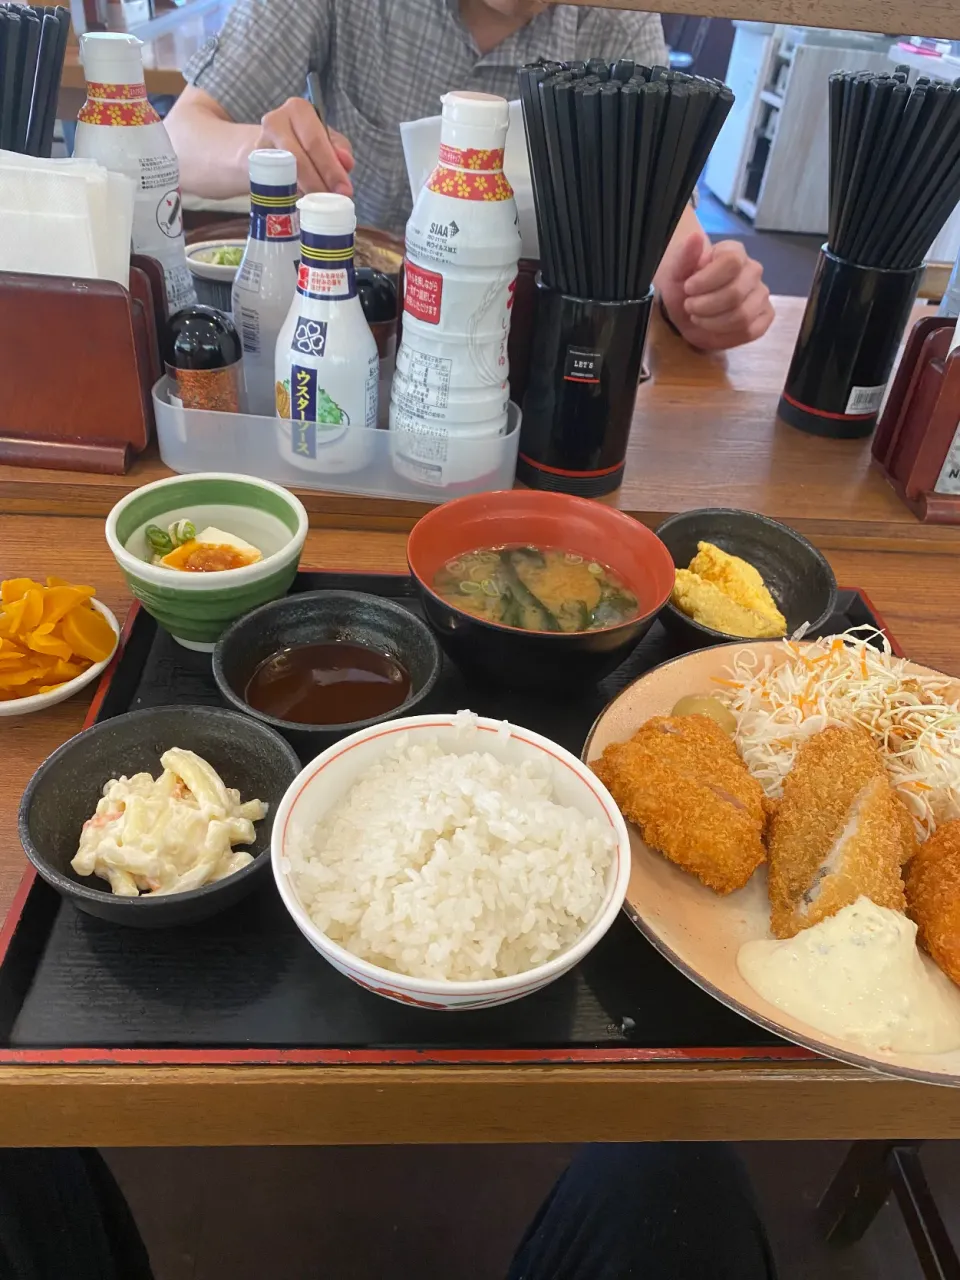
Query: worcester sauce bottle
(119, 128)
(267, 278)
(327, 364)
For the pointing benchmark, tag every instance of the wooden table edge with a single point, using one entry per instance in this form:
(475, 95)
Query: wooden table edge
(56, 498)
(250, 1106)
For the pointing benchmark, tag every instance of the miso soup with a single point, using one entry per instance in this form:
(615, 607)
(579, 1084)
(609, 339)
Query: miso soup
(536, 589)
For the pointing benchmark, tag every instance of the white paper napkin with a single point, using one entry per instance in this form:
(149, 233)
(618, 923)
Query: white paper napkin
(64, 217)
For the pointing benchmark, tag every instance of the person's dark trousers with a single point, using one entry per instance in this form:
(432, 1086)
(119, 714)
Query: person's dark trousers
(62, 1217)
(648, 1211)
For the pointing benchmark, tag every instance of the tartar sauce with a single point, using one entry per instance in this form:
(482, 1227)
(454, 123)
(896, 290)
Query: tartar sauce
(859, 976)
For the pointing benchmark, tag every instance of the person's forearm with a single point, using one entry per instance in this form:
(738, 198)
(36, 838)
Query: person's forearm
(213, 153)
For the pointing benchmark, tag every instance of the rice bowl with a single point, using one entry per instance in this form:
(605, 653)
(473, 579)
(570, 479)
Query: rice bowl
(450, 861)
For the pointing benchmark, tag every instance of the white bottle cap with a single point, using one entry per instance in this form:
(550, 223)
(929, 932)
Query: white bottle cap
(326, 214)
(485, 110)
(111, 57)
(474, 121)
(270, 168)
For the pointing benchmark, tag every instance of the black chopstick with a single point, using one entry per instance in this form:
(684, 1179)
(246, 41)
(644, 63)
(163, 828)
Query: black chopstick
(43, 75)
(652, 96)
(861, 148)
(609, 159)
(540, 176)
(551, 129)
(587, 104)
(563, 92)
(62, 15)
(9, 48)
(629, 101)
(24, 76)
(655, 239)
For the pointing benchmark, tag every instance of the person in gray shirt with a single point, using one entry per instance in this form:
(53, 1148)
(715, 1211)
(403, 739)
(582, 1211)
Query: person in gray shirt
(381, 62)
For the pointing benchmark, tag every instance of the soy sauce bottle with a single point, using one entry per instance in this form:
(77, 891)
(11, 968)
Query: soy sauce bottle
(378, 298)
(204, 360)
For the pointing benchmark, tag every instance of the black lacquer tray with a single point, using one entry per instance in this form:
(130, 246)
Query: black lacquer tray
(246, 986)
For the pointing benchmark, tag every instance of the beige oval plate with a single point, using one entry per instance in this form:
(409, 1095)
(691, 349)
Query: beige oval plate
(699, 931)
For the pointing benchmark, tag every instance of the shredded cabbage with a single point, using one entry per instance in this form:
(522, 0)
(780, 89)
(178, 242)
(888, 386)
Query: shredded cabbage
(914, 720)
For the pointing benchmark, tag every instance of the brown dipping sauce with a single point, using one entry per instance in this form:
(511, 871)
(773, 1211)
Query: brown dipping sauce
(331, 682)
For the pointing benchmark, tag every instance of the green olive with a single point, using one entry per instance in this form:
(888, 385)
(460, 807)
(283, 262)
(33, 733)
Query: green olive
(698, 704)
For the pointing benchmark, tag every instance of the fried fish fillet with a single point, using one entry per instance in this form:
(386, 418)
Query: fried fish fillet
(933, 897)
(839, 831)
(682, 782)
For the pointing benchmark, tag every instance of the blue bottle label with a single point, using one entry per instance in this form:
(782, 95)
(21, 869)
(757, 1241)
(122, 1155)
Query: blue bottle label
(273, 212)
(310, 337)
(316, 416)
(326, 267)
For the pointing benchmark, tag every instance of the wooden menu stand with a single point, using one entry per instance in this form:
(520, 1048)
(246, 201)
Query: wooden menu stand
(920, 421)
(79, 360)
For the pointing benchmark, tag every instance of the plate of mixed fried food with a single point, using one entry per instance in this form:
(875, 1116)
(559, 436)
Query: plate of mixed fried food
(794, 812)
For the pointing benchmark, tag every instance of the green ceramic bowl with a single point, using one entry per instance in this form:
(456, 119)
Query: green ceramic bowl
(196, 607)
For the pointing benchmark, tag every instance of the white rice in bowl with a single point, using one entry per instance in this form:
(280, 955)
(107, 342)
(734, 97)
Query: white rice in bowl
(454, 867)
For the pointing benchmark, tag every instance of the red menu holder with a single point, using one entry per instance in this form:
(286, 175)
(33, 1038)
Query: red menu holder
(79, 360)
(917, 443)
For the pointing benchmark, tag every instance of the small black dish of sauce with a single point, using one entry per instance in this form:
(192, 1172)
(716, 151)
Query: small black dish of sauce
(357, 689)
(327, 682)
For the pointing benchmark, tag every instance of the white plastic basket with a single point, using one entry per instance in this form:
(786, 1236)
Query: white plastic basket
(202, 440)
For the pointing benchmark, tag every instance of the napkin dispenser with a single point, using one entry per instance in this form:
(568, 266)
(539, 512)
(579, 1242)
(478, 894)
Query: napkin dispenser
(79, 360)
(917, 444)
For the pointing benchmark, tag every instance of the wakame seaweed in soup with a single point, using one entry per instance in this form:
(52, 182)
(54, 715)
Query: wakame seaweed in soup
(536, 589)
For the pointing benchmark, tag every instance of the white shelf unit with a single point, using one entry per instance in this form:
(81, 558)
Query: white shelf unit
(771, 160)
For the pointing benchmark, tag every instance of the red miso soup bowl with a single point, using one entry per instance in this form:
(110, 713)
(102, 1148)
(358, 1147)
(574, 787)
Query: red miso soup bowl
(519, 658)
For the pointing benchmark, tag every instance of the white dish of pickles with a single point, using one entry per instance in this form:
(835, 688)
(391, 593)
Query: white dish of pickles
(216, 259)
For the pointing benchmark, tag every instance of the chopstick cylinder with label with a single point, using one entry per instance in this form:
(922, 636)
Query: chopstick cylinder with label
(894, 180)
(615, 152)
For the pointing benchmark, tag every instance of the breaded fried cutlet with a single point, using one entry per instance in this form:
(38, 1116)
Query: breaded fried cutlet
(681, 780)
(933, 897)
(839, 831)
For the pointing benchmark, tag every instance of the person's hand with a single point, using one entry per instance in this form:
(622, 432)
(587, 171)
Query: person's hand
(324, 161)
(714, 294)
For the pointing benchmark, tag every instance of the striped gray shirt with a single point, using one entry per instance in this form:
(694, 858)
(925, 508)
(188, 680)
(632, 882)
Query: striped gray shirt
(381, 62)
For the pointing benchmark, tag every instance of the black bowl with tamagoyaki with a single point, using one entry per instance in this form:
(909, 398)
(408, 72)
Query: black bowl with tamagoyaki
(795, 573)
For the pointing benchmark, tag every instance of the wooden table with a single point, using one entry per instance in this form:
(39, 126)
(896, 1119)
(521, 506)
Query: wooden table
(705, 433)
